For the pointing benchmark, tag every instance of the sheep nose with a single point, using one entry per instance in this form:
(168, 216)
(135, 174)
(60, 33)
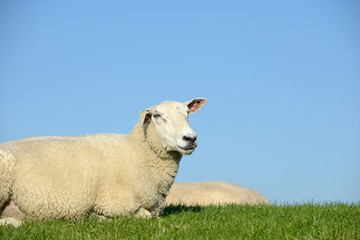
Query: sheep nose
(188, 138)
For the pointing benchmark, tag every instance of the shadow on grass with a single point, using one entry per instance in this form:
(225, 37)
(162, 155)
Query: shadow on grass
(177, 209)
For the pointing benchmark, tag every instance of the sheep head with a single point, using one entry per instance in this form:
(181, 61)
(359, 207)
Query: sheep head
(172, 125)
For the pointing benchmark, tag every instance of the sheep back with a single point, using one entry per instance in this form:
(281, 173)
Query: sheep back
(213, 193)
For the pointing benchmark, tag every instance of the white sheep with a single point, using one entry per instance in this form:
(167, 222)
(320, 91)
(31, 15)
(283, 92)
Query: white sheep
(104, 174)
(212, 193)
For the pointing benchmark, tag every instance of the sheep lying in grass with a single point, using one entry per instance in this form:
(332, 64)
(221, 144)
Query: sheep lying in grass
(104, 174)
(212, 193)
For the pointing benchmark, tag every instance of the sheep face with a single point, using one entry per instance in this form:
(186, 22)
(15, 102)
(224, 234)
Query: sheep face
(172, 124)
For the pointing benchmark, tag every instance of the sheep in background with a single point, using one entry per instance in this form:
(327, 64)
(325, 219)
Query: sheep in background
(107, 174)
(212, 193)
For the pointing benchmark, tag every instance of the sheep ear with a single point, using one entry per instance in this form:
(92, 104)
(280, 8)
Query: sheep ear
(195, 104)
(145, 117)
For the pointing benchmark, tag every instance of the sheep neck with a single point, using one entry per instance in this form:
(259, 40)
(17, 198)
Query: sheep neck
(162, 164)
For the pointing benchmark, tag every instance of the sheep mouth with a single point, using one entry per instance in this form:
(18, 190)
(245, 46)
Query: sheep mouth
(192, 147)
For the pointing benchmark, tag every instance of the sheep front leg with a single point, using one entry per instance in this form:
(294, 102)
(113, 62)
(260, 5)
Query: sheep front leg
(11, 215)
(142, 212)
(111, 203)
(10, 221)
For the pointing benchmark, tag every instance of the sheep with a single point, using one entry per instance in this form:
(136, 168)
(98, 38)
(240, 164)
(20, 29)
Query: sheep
(212, 193)
(103, 174)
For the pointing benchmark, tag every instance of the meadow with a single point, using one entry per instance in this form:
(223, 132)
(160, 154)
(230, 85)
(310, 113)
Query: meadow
(278, 221)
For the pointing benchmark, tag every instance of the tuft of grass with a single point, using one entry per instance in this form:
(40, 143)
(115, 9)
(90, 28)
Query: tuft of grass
(296, 221)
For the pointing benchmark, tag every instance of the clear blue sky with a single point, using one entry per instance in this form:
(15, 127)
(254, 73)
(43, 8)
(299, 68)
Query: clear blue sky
(282, 79)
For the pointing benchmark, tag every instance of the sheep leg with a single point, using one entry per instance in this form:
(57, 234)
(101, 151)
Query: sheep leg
(142, 212)
(11, 215)
(10, 221)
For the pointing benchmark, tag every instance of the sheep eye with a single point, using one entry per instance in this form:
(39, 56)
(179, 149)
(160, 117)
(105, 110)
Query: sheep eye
(157, 115)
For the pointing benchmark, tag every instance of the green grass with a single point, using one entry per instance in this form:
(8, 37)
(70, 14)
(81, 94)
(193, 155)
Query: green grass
(298, 221)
